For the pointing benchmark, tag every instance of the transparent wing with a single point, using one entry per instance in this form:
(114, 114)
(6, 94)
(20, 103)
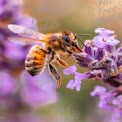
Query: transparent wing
(25, 32)
(23, 41)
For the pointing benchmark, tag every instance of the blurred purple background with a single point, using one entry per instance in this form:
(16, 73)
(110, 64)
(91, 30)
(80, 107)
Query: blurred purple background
(27, 99)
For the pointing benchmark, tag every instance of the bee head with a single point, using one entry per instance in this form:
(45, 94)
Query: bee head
(69, 40)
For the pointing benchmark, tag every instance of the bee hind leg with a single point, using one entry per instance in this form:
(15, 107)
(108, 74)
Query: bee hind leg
(55, 74)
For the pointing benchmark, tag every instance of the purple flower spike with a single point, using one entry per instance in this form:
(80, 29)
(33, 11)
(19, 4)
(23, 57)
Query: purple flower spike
(83, 59)
(104, 63)
(104, 38)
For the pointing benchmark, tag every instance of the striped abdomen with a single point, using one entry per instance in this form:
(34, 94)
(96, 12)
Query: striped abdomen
(35, 60)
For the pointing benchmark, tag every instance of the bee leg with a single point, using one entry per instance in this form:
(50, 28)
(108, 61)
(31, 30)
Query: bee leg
(73, 49)
(52, 56)
(55, 74)
(45, 51)
(62, 62)
(69, 51)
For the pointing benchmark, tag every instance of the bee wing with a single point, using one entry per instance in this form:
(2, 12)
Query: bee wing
(23, 41)
(25, 32)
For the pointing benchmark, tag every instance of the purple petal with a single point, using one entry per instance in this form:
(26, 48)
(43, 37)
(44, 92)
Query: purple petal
(83, 59)
(76, 83)
(103, 104)
(71, 84)
(105, 101)
(98, 91)
(100, 54)
(101, 42)
(103, 32)
(79, 76)
(89, 50)
(111, 41)
(14, 51)
(110, 48)
(7, 84)
(119, 50)
(70, 70)
(98, 41)
(117, 100)
(38, 90)
(78, 88)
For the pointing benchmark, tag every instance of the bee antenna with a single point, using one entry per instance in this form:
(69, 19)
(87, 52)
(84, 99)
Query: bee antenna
(77, 36)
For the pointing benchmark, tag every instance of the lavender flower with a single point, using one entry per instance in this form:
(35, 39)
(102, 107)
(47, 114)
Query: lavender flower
(76, 83)
(104, 38)
(11, 12)
(8, 90)
(108, 101)
(27, 90)
(7, 84)
(39, 90)
(104, 63)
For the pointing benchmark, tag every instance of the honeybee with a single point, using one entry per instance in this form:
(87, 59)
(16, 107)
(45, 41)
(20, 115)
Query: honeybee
(54, 45)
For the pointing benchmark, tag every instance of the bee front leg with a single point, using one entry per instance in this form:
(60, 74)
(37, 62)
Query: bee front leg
(45, 51)
(55, 74)
(62, 63)
(52, 57)
(69, 51)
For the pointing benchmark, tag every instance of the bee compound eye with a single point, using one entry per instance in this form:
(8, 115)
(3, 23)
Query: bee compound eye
(66, 38)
